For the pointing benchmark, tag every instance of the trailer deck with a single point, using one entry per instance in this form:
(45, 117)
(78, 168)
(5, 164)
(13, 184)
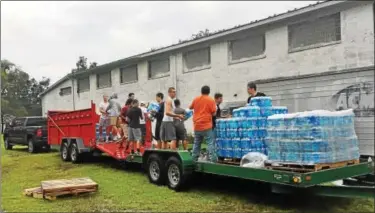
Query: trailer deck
(74, 134)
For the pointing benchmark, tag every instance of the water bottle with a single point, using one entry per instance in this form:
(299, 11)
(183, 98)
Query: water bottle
(242, 112)
(261, 122)
(265, 111)
(236, 113)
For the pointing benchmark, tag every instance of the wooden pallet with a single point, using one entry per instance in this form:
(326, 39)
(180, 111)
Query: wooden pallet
(232, 161)
(308, 168)
(52, 189)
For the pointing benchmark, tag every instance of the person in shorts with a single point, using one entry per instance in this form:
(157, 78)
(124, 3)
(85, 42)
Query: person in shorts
(181, 134)
(168, 129)
(104, 119)
(114, 110)
(134, 116)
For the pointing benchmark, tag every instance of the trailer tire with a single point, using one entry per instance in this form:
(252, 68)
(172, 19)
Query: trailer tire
(175, 175)
(64, 152)
(75, 156)
(7, 145)
(155, 169)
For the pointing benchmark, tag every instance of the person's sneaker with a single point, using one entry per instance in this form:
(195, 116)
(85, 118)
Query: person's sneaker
(115, 138)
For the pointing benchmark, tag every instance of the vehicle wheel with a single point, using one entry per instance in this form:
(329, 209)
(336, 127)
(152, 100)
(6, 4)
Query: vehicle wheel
(65, 152)
(155, 169)
(74, 153)
(7, 144)
(175, 174)
(31, 146)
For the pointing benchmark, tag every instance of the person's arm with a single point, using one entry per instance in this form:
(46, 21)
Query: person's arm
(101, 109)
(110, 105)
(192, 105)
(213, 108)
(168, 110)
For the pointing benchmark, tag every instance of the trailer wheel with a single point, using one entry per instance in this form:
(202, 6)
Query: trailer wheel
(155, 169)
(65, 152)
(74, 153)
(176, 177)
(7, 144)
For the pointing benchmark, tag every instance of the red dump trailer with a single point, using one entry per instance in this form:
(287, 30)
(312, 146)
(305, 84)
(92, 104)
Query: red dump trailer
(74, 134)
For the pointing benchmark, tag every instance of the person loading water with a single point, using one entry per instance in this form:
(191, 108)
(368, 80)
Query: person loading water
(114, 110)
(204, 109)
(181, 134)
(252, 91)
(167, 129)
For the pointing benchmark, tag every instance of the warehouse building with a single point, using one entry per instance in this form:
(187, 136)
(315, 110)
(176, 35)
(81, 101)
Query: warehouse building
(317, 57)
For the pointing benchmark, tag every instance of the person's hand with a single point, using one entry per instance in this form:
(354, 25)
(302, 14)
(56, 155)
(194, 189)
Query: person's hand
(181, 117)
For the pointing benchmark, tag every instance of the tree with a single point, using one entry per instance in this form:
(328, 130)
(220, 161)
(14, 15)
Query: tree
(82, 64)
(93, 65)
(20, 95)
(201, 34)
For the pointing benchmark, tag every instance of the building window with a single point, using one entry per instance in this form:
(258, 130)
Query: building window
(83, 84)
(158, 68)
(247, 48)
(103, 80)
(310, 34)
(129, 74)
(65, 91)
(197, 59)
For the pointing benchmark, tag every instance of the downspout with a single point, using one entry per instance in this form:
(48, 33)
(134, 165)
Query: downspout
(175, 74)
(73, 93)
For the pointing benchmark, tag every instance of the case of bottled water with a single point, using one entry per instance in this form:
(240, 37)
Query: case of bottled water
(312, 137)
(153, 106)
(261, 101)
(104, 134)
(188, 113)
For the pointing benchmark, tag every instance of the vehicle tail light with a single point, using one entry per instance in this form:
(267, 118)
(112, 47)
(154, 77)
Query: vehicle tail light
(39, 133)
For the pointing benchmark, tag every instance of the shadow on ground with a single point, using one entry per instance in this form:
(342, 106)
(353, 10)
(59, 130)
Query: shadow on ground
(251, 191)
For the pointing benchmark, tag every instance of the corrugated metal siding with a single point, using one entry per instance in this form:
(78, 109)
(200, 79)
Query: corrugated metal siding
(332, 92)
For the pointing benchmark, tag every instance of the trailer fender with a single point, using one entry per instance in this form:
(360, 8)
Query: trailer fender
(79, 142)
(183, 156)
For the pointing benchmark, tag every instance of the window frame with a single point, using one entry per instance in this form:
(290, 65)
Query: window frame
(61, 91)
(196, 69)
(41, 119)
(105, 86)
(78, 85)
(251, 58)
(166, 74)
(319, 44)
(121, 74)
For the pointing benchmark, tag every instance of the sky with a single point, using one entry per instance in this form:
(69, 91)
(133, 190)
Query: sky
(46, 38)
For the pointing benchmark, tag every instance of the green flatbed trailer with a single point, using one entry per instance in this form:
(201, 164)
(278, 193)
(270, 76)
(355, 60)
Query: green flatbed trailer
(175, 169)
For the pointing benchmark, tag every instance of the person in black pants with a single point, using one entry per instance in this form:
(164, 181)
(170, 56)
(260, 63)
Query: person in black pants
(159, 118)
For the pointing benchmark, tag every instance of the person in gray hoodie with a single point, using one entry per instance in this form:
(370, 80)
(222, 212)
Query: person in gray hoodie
(114, 111)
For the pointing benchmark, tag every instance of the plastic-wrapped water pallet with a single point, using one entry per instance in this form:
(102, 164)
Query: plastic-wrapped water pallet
(314, 137)
(248, 126)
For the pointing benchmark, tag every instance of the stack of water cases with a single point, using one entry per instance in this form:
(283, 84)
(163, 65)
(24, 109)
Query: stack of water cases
(246, 131)
(104, 135)
(312, 137)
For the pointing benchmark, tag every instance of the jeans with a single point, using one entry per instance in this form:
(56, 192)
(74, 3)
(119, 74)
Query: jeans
(198, 139)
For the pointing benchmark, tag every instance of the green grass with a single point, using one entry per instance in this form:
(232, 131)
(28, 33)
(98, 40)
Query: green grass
(121, 190)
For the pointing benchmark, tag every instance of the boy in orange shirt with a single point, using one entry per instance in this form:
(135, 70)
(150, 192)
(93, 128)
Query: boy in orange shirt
(204, 108)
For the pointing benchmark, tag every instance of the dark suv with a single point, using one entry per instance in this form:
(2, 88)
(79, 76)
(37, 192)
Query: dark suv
(29, 131)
